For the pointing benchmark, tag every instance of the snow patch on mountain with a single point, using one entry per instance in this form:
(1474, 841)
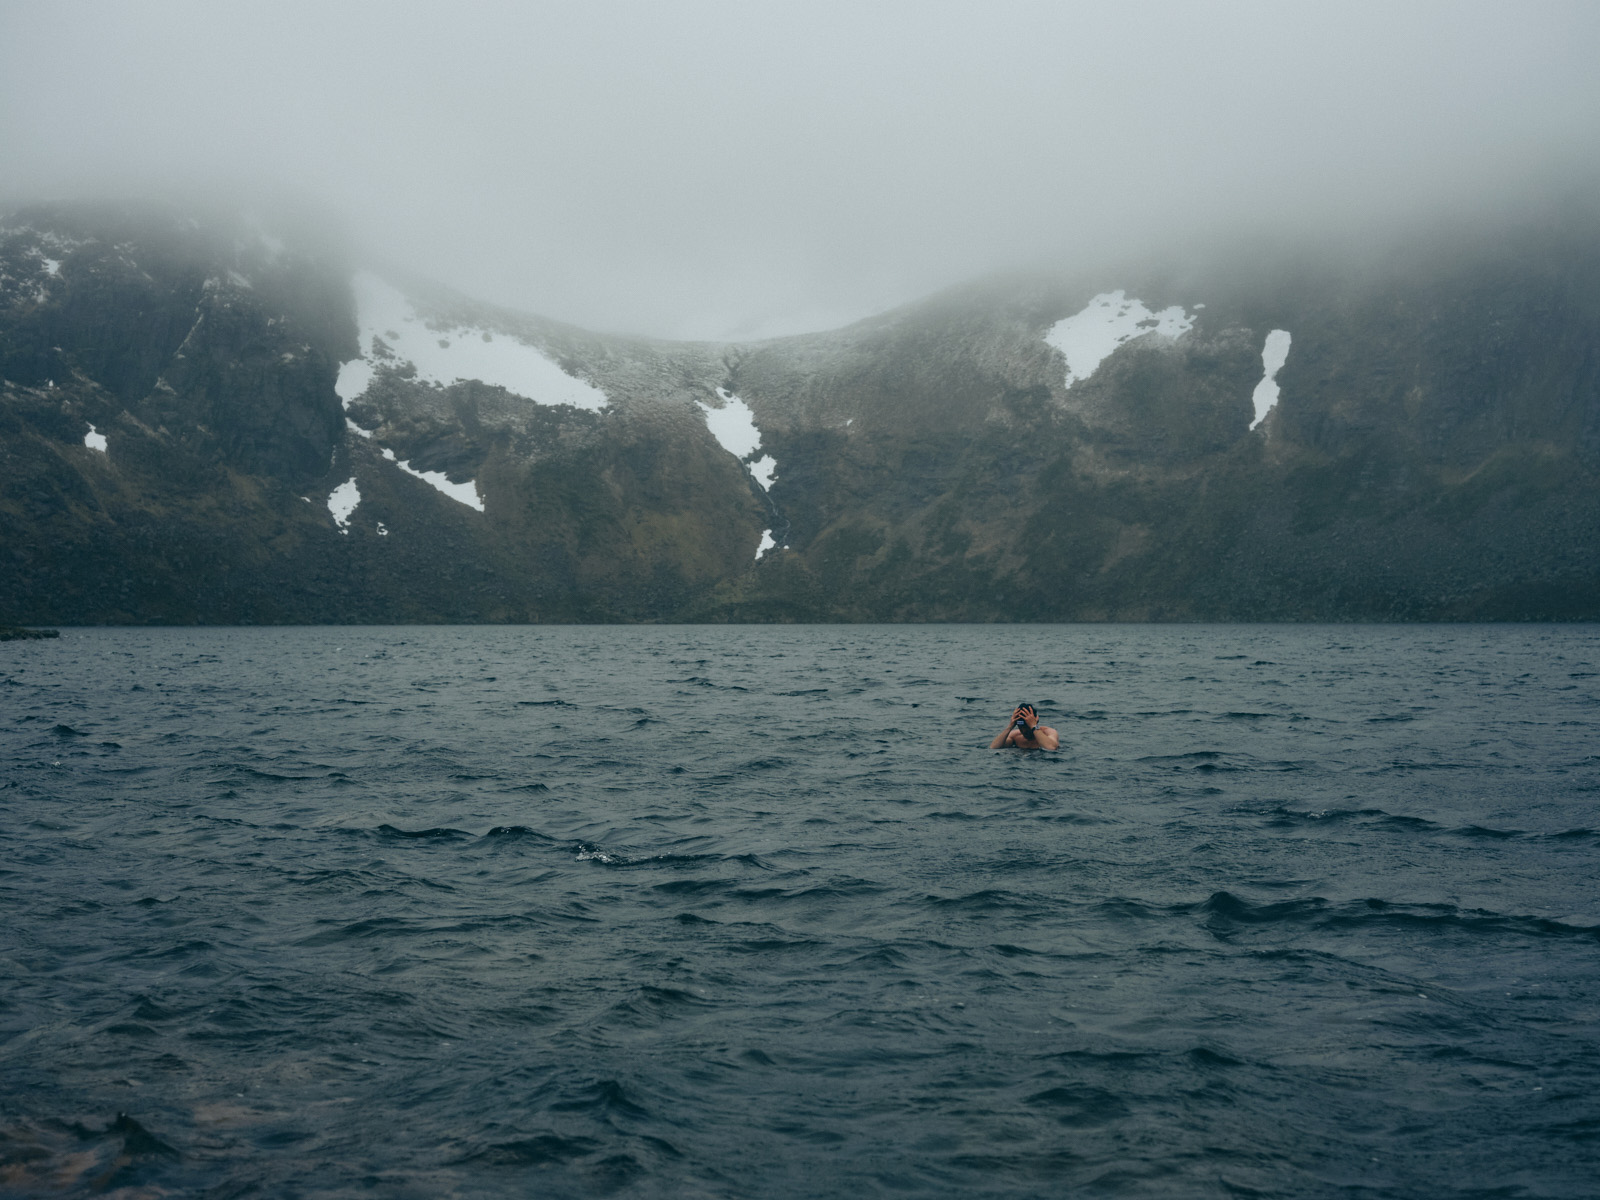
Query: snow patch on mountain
(94, 440)
(1086, 339)
(462, 493)
(734, 427)
(765, 471)
(354, 376)
(342, 502)
(1274, 353)
(393, 331)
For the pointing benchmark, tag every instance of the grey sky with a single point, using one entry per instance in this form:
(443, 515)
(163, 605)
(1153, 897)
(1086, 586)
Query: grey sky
(709, 169)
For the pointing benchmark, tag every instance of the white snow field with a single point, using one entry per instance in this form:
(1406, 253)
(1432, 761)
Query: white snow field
(1086, 339)
(342, 502)
(445, 356)
(462, 493)
(354, 376)
(1273, 355)
(94, 440)
(734, 427)
(765, 470)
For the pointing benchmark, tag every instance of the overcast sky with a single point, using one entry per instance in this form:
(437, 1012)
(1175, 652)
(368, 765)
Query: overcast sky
(742, 168)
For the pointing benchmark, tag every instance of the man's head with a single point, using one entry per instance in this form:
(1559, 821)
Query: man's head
(1028, 711)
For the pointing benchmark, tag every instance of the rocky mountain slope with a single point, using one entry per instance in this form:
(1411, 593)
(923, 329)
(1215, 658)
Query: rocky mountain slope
(200, 422)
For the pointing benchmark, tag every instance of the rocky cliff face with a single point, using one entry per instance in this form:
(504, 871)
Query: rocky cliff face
(199, 423)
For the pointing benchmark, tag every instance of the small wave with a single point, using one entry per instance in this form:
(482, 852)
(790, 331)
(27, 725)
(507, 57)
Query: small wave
(1007, 950)
(1224, 913)
(1207, 761)
(605, 1095)
(837, 889)
(1282, 816)
(1378, 818)
(66, 731)
(1401, 765)
(149, 1010)
(773, 945)
(506, 833)
(376, 927)
(541, 1150)
(650, 1005)
(1121, 908)
(1577, 834)
(1206, 1057)
(691, 887)
(1080, 1106)
(130, 1029)
(238, 771)
(439, 834)
(987, 900)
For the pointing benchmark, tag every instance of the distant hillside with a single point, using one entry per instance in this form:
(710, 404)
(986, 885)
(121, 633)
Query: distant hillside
(200, 422)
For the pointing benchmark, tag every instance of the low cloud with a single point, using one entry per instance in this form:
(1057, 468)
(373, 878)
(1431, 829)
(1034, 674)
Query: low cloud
(720, 169)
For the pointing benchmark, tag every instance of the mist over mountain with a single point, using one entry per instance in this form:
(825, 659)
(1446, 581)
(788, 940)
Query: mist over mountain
(209, 418)
(703, 169)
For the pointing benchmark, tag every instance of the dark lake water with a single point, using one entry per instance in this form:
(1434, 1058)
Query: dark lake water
(668, 911)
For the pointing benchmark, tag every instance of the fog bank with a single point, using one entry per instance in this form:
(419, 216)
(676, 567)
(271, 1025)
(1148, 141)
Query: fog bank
(726, 170)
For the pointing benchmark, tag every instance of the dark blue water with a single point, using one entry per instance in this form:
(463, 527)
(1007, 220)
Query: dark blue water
(752, 912)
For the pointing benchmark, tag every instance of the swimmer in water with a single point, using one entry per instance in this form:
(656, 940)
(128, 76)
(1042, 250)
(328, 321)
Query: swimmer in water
(1025, 732)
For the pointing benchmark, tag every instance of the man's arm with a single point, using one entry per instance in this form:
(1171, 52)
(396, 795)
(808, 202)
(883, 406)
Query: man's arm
(1003, 738)
(1046, 737)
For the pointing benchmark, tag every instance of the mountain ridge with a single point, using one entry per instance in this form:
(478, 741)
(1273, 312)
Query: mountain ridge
(1431, 454)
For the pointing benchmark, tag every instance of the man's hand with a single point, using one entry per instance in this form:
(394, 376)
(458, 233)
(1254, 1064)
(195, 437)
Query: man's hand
(1031, 735)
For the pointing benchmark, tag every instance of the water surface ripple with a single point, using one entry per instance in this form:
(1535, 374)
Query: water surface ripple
(1297, 911)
